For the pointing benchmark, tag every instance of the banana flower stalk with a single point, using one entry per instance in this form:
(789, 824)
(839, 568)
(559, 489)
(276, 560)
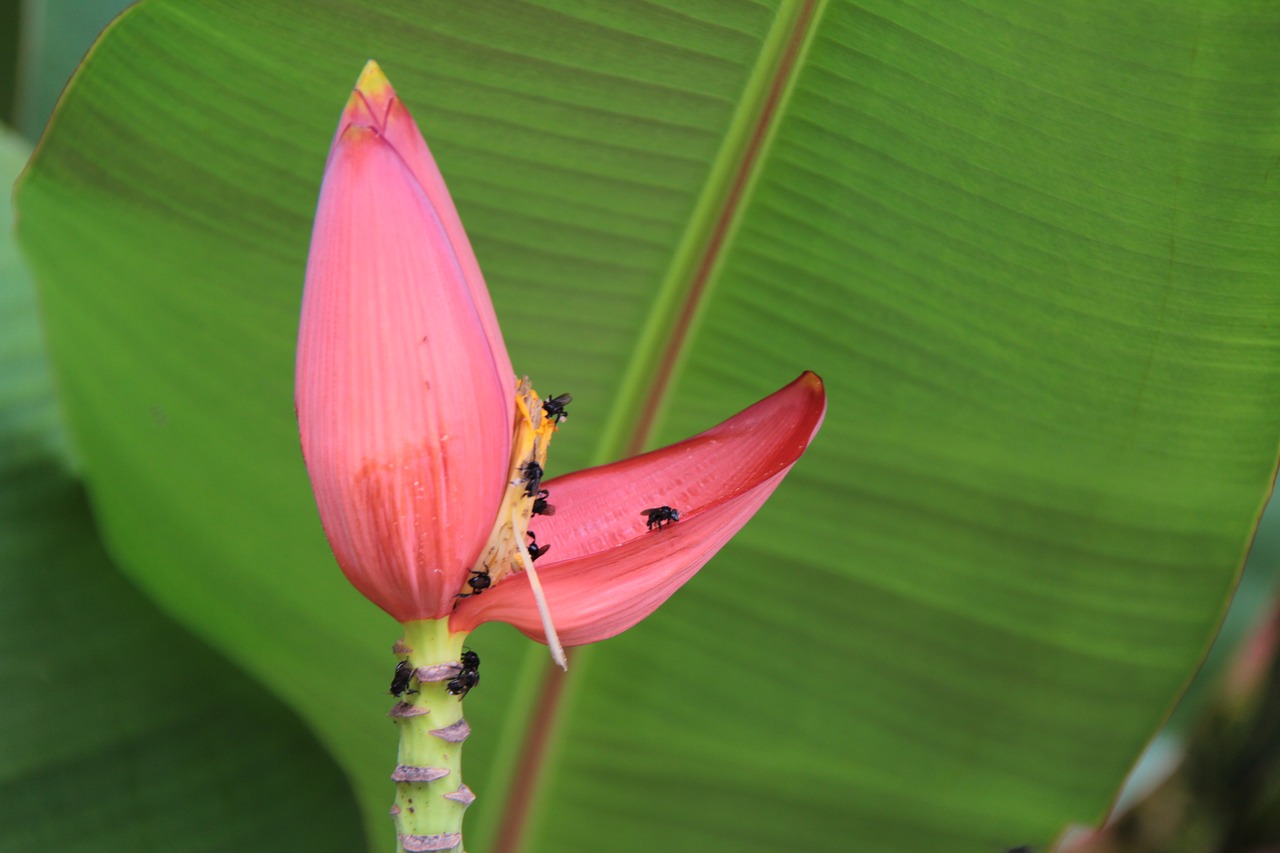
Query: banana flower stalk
(426, 454)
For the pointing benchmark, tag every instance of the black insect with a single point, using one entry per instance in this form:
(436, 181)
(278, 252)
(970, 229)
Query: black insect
(540, 505)
(479, 582)
(468, 675)
(660, 515)
(535, 551)
(554, 408)
(532, 472)
(400, 681)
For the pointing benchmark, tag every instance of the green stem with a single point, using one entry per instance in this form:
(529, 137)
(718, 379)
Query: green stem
(430, 796)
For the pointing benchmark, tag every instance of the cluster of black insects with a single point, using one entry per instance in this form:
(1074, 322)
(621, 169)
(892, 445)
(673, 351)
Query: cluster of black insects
(555, 408)
(460, 685)
(468, 676)
(532, 480)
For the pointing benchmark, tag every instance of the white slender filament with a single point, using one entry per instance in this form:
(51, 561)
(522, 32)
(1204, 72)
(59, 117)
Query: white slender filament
(553, 639)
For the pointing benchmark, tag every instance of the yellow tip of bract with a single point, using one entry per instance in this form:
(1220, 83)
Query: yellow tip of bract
(373, 82)
(369, 100)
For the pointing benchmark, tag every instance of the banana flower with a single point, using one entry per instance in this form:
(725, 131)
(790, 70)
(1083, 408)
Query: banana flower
(426, 452)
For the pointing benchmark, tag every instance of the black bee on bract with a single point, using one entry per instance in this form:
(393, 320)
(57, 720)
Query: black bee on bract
(540, 505)
(479, 582)
(554, 407)
(532, 472)
(468, 676)
(534, 550)
(400, 681)
(660, 515)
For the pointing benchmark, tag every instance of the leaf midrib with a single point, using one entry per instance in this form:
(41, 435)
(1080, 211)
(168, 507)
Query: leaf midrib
(665, 335)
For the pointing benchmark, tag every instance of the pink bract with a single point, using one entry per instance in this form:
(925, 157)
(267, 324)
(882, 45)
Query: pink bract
(404, 387)
(606, 569)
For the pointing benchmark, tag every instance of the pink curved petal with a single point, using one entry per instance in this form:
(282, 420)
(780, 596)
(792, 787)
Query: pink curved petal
(404, 406)
(606, 570)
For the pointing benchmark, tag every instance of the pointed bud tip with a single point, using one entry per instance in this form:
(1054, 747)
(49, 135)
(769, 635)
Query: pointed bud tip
(373, 83)
(369, 99)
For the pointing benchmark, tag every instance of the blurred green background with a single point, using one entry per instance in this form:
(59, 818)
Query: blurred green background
(1031, 250)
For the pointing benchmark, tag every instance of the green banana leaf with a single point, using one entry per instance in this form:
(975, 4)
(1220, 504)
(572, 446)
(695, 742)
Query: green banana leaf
(1030, 248)
(121, 732)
